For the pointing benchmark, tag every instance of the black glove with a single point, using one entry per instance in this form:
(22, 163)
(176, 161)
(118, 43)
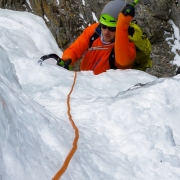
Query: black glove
(65, 64)
(129, 10)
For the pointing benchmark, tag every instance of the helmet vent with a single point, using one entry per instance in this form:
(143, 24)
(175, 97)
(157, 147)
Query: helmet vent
(104, 18)
(112, 21)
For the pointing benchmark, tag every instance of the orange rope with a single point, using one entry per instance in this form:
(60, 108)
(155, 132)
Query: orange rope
(73, 150)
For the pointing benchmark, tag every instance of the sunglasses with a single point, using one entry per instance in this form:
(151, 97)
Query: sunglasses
(112, 29)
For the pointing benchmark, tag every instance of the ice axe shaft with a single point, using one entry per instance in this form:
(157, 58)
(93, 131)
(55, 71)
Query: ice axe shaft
(134, 2)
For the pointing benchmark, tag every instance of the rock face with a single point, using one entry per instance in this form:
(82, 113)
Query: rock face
(67, 18)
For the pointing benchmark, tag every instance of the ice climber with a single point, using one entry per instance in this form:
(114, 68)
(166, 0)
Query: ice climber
(101, 40)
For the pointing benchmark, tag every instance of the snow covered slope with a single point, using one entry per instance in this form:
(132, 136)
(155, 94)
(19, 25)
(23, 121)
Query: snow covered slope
(128, 121)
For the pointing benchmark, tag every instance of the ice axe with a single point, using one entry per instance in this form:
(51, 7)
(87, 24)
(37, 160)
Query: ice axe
(60, 62)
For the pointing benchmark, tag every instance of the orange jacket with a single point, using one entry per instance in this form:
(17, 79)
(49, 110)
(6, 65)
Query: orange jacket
(96, 58)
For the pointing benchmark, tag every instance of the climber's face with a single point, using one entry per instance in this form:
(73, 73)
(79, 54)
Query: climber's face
(108, 33)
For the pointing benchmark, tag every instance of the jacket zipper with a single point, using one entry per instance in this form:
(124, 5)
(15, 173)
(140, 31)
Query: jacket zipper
(96, 64)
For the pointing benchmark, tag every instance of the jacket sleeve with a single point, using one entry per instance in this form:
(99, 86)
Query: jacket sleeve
(125, 51)
(80, 45)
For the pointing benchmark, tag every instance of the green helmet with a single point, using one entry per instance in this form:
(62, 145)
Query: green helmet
(110, 12)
